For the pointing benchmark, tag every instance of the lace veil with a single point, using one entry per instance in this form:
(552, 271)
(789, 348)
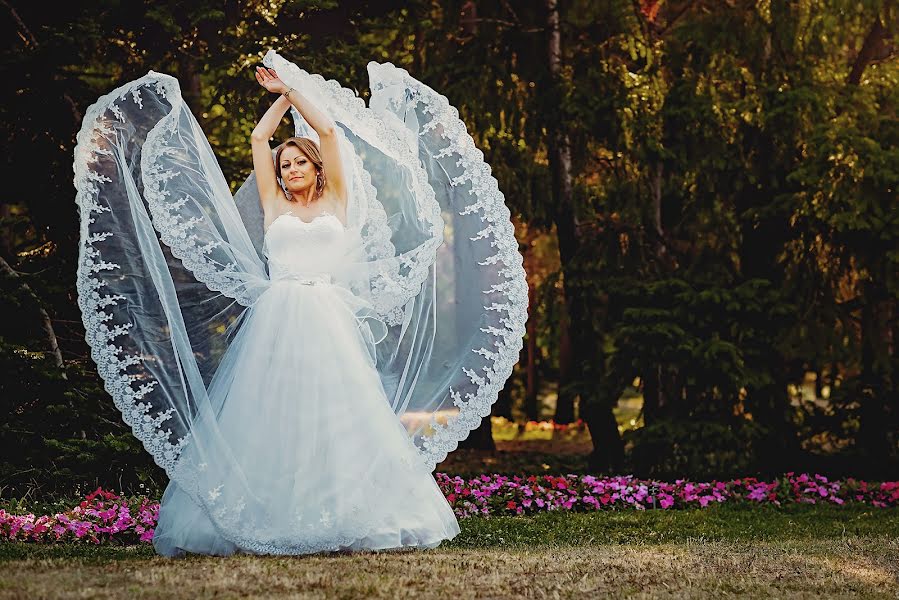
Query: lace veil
(170, 263)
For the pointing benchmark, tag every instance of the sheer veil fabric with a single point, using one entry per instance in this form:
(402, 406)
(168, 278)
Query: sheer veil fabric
(298, 385)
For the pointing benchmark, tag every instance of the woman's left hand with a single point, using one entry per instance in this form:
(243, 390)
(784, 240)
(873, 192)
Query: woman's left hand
(268, 79)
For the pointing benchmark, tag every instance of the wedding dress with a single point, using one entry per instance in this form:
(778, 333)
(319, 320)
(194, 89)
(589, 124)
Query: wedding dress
(306, 379)
(299, 384)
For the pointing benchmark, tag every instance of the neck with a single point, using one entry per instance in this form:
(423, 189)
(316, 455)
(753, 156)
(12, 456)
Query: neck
(304, 197)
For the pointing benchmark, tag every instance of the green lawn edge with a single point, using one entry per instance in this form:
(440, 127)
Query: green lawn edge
(559, 528)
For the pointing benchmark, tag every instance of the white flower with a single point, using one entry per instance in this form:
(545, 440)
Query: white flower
(215, 493)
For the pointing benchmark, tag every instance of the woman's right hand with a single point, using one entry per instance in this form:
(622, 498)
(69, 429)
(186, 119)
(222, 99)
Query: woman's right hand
(268, 79)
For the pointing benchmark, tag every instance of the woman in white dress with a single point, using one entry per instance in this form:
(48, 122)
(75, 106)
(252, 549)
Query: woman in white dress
(305, 379)
(300, 360)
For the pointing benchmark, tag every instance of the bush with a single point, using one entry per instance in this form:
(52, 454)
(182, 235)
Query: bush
(678, 449)
(60, 434)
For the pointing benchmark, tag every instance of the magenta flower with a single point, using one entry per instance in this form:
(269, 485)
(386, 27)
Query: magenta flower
(104, 516)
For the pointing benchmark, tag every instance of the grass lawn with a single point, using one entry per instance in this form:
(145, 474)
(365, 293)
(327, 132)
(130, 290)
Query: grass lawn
(723, 551)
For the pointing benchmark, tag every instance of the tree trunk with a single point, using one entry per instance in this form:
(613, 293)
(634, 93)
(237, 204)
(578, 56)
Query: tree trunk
(481, 438)
(871, 49)
(566, 393)
(652, 394)
(892, 396)
(653, 384)
(608, 451)
(191, 87)
(878, 394)
(503, 405)
(761, 240)
(46, 323)
(607, 443)
(873, 434)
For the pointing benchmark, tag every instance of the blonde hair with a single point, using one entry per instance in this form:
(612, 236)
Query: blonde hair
(312, 152)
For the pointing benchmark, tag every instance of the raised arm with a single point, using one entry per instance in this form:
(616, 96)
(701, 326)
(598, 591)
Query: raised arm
(263, 165)
(320, 122)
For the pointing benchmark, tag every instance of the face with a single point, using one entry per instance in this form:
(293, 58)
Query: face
(297, 171)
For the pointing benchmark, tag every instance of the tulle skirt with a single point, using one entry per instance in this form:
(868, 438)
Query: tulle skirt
(311, 437)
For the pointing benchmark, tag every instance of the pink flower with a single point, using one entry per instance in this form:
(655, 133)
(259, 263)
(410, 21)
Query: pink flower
(105, 516)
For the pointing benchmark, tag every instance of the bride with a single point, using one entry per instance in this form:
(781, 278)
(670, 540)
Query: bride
(297, 357)
(300, 162)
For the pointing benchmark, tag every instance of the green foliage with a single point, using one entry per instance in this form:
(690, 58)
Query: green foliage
(718, 336)
(67, 433)
(735, 197)
(704, 450)
(64, 435)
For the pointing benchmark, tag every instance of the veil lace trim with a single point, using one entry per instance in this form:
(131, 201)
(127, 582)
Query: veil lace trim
(498, 231)
(101, 330)
(399, 281)
(176, 231)
(393, 288)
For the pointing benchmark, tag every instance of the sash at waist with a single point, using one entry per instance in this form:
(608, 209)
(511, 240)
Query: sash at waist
(279, 273)
(371, 325)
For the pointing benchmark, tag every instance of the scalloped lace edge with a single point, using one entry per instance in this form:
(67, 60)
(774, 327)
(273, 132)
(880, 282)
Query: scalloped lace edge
(472, 409)
(501, 234)
(99, 336)
(389, 141)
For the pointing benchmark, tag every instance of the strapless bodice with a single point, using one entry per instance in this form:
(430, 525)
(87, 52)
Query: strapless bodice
(306, 252)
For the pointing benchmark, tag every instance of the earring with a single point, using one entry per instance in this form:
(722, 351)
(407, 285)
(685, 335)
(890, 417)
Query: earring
(286, 192)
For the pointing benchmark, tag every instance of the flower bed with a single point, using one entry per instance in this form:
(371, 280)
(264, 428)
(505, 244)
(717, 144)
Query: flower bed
(101, 516)
(104, 516)
(502, 495)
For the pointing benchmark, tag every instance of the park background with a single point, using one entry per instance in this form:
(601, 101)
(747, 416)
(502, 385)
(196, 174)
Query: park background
(704, 193)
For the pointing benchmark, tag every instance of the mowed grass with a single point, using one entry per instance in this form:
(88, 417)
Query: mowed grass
(724, 551)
